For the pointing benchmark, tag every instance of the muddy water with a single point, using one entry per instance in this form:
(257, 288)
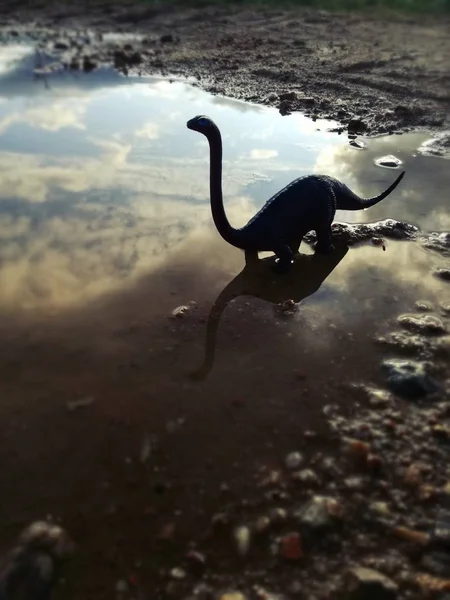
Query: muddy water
(105, 229)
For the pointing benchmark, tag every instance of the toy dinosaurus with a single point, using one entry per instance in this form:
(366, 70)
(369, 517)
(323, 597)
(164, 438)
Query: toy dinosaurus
(307, 203)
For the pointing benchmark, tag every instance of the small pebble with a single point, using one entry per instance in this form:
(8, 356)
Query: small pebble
(294, 460)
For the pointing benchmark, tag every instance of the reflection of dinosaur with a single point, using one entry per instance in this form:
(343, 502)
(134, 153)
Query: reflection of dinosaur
(307, 203)
(306, 276)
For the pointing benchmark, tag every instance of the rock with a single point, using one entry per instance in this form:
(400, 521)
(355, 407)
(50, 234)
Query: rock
(354, 483)
(287, 307)
(306, 477)
(291, 547)
(329, 467)
(262, 524)
(242, 536)
(432, 586)
(437, 563)
(120, 59)
(439, 242)
(197, 562)
(404, 342)
(380, 508)
(368, 584)
(441, 431)
(121, 588)
(135, 58)
(284, 108)
(409, 379)
(411, 535)
(423, 306)
(88, 64)
(30, 569)
(232, 595)
(438, 146)
(178, 573)
(389, 162)
(272, 97)
(321, 512)
(357, 449)
(356, 125)
(425, 324)
(293, 460)
(181, 311)
(441, 532)
(374, 462)
(358, 144)
(167, 38)
(378, 398)
(376, 241)
(290, 96)
(278, 515)
(61, 45)
(443, 274)
(307, 101)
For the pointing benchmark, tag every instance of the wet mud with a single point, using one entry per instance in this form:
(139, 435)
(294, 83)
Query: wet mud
(373, 73)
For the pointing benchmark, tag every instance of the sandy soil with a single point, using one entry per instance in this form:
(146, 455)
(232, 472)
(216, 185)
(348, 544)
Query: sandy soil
(392, 72)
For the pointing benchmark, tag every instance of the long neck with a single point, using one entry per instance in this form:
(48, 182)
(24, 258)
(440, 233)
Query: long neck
(229, 233)
(231, 291)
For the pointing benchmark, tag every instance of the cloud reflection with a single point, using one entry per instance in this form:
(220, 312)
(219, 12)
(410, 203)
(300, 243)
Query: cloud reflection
(421, 198)
(120, 185)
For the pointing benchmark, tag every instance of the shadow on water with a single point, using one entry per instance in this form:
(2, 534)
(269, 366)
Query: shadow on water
(306, 276)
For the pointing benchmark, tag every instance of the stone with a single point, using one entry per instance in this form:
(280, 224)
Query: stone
(424, 324)
(368, 584)
(166, 38)
(443, 274)
(423, 306)
(291, 546)
(320, 512)
(290, 96)
(408, 378)
(390, 162)
(306, 477)
(293, 460)
(232, 595)
(437, 146)
(356, 125)
(242, 536)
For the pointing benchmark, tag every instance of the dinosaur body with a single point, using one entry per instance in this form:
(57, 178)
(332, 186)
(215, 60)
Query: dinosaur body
(307, 203)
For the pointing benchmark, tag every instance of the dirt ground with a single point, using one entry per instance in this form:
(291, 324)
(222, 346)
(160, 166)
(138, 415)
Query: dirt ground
(237, 487)
(374, 73)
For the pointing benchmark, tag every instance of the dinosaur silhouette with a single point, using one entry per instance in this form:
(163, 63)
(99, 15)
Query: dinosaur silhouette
(307, 203)
(304, 279)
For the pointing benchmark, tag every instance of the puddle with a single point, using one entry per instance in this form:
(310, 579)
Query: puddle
(105, 229)
(100, 176)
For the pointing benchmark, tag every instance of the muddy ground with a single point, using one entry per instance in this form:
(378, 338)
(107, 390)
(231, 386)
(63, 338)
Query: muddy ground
(392, 72)
(286, 476)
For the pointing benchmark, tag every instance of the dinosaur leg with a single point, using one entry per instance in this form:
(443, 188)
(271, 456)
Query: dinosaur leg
(324, 244)
(294, 244)
(284, 258)
(251, 257)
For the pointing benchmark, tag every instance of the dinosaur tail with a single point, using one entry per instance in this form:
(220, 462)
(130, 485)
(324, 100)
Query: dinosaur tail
(348, 200)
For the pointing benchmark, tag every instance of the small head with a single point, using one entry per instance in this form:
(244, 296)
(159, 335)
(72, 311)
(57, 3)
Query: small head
(202, 124)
